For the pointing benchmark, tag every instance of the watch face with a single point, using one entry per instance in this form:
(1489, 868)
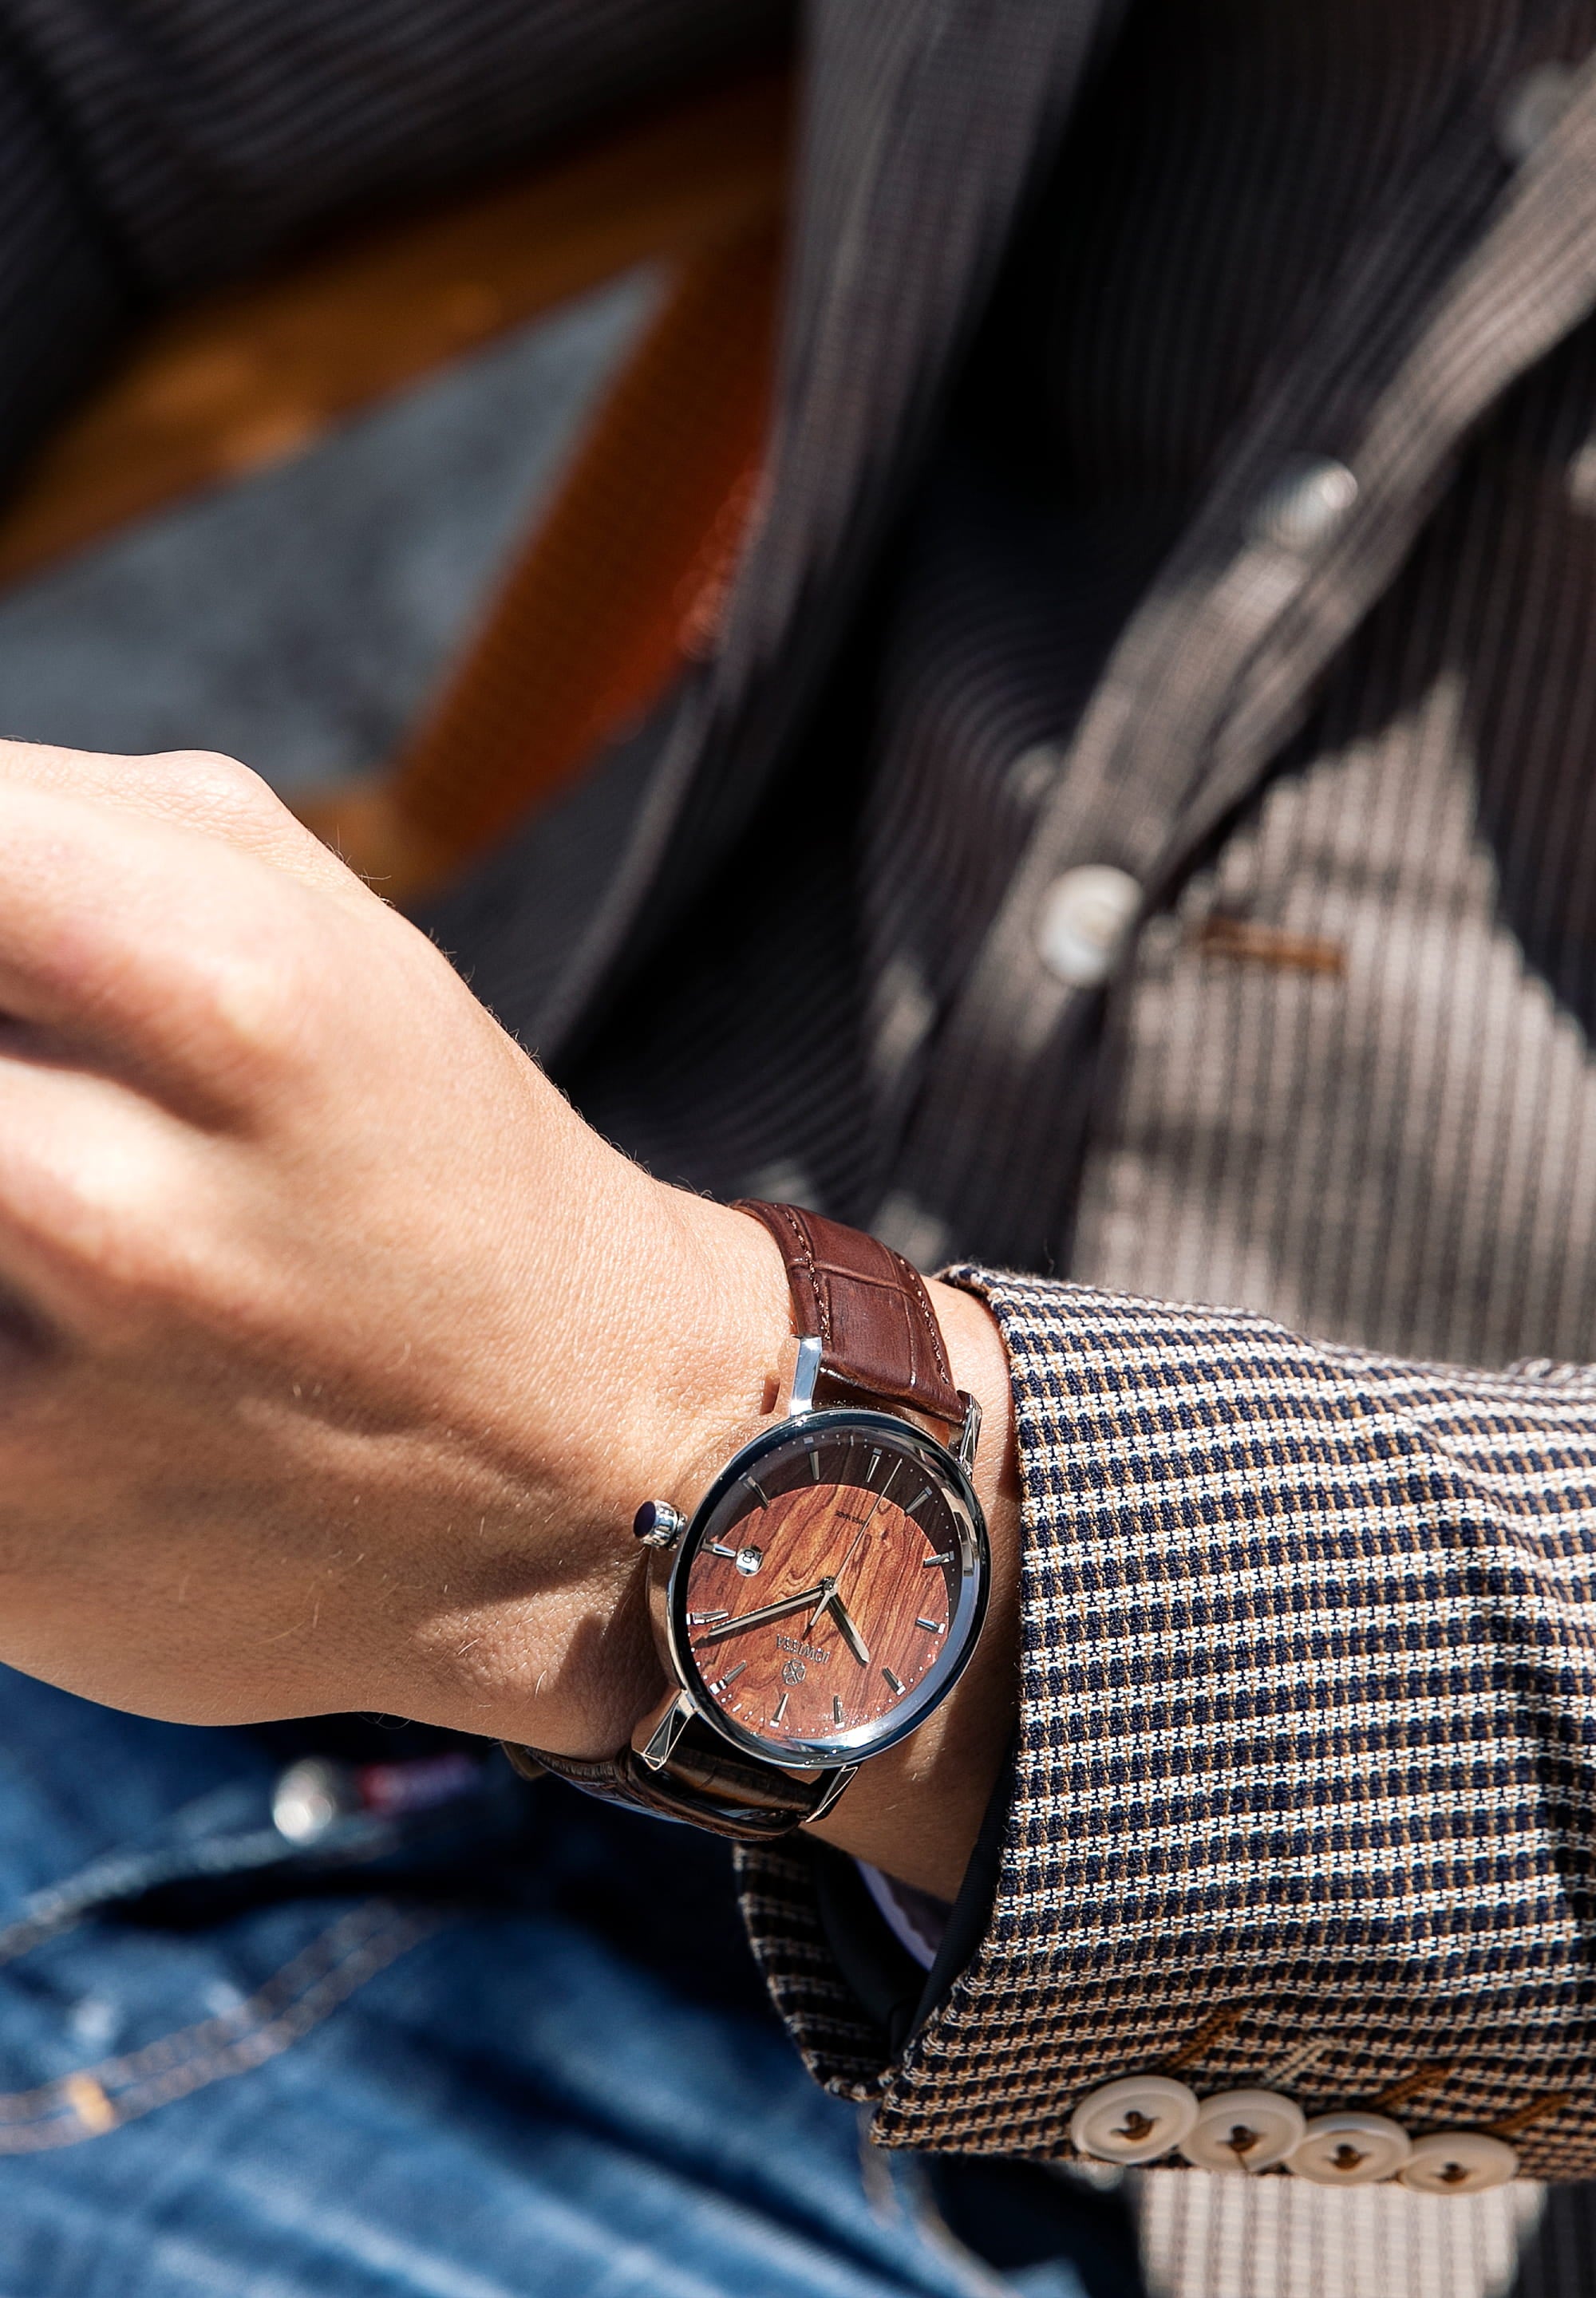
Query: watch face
(830, 1589)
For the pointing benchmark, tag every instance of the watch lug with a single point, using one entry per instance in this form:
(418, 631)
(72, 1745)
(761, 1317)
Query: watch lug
(969, 1434)
(660, 1728)
(805, 1373)
(844, 1774)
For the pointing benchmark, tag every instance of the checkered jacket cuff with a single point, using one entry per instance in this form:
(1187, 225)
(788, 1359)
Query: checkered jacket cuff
(1307, 1772)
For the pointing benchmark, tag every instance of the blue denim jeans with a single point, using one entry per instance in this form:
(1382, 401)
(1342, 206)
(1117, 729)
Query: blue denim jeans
(470, 2039)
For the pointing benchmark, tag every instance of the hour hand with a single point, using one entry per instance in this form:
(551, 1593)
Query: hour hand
(850, 1633)
(741, 1620)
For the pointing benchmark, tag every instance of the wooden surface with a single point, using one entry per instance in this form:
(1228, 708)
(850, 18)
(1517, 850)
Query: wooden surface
(251, 376)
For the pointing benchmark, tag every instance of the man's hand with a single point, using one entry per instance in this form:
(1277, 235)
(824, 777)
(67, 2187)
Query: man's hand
(336, 1350)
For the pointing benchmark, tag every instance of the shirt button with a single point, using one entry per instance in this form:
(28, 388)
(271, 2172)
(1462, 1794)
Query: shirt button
(1459, 2163)
(1086, 916)
(1243, 2130)
(1133, 2121)
(1350, 2149)
(1531, 109)
(1034, 773)
(1304, 504)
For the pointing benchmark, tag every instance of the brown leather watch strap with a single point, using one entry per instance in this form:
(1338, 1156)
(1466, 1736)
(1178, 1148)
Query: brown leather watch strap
(879, 1339)
(705, 1782)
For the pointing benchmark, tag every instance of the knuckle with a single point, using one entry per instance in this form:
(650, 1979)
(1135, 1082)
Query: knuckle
(117, 1229)
(200, 770)
(211, 786)
(251, 1002)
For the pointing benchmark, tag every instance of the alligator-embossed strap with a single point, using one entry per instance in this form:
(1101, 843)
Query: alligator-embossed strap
(879, 1344)
(704, 1781)
(880, 1338)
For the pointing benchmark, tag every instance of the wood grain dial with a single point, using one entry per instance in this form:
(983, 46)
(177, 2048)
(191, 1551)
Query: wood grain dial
(826, 1595)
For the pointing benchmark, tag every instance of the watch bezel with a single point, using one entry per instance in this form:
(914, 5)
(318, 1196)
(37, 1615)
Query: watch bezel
(863, 1740)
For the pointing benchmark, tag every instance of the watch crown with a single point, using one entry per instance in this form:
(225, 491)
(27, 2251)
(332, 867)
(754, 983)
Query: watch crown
(657, 1525)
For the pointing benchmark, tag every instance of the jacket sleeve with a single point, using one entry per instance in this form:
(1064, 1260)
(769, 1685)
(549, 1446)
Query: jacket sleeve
(150, 146)
(1307, 1767)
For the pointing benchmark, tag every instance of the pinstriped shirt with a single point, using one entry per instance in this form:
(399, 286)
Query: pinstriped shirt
(1083, 648)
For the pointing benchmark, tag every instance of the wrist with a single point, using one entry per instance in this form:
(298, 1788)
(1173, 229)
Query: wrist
(728, 1362)
(708, 1360)
(666, 1348)
(916, 1811)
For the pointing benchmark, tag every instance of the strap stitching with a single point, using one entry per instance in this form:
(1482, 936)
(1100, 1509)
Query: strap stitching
(922, 1302)
(822, 1298)
(905, 1278)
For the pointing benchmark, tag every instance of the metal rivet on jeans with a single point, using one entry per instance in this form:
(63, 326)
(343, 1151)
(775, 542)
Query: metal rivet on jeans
(310, 1797)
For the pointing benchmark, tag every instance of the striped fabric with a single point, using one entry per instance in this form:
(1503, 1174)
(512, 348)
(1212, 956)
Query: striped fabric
(1307, 1667)
(1075, 289)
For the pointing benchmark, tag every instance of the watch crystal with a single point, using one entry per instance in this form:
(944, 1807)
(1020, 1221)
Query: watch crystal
(830, 1589)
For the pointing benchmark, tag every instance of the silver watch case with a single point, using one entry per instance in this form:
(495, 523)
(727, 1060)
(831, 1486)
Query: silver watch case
(670, 1567)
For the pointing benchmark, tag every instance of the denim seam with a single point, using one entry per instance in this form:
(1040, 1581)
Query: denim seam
(93, 2100)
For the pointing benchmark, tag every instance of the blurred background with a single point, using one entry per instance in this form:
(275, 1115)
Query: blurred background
(299, 617)
(420, 517)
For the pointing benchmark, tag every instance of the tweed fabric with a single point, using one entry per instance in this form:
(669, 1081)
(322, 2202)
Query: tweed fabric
(1305, 1736)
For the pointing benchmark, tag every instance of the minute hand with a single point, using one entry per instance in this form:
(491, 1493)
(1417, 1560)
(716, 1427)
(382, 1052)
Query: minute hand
(798, 1603)
(845, 1620)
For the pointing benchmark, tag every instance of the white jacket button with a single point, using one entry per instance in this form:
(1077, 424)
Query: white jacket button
(1305, 503)
(1532, 107)
(1135, 2120)
(1243, 2130)
(1350, 2149)
(1085, 918)
(1459, 2163)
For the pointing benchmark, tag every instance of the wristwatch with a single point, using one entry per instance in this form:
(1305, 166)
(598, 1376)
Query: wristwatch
(824, 1596)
